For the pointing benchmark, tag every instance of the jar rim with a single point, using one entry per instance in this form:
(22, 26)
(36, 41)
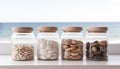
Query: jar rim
(47, 29)
(22, 29)
(71, 29)
(97, 29)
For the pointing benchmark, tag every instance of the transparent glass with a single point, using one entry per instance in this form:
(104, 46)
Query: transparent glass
(23, 46)
(72, 46)
(96, 46)
(47, 45)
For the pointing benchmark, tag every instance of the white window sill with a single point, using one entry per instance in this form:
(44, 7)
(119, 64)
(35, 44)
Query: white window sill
(7, 63)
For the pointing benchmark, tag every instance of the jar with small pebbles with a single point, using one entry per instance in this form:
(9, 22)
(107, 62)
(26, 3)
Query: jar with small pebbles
(96, 43)
(47, 43)
(72, 43)
(23, 41)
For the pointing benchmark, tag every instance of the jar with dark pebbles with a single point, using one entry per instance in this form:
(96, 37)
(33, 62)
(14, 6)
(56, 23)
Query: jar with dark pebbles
(96, 44)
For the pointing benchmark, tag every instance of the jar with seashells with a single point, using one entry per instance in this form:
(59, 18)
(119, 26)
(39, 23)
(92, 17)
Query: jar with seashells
(23, 42)
(72, 43)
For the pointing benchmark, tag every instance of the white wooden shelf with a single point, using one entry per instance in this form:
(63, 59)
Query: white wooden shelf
(7, 63)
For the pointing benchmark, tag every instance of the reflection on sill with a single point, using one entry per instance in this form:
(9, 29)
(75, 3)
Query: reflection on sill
(7, 61)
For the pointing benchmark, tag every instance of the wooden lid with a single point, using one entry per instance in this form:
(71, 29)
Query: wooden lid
(47, 29)
(72, 29)
(97, 29)
(22, 29)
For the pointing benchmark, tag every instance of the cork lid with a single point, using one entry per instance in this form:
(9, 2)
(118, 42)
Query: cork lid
(47, 29)
(22, 29)
(72, 29)
(97, 29)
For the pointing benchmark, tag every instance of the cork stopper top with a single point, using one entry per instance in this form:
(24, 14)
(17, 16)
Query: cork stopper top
(72, 29)
(47, 29)
(22, 29)
(97, 29)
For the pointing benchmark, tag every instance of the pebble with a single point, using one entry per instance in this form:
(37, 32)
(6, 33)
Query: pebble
(47, 49)
(43, 52)
(96, 50)
(103, 43)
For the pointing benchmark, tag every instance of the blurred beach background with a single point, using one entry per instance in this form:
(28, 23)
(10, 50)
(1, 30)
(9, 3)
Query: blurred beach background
(113, 28)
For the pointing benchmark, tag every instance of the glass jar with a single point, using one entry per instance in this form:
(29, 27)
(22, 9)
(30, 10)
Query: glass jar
(72, 43)
(96, 43)
(23, 42)
(47, 43)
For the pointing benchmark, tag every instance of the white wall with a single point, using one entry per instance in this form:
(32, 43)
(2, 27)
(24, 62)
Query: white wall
(59, 10)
